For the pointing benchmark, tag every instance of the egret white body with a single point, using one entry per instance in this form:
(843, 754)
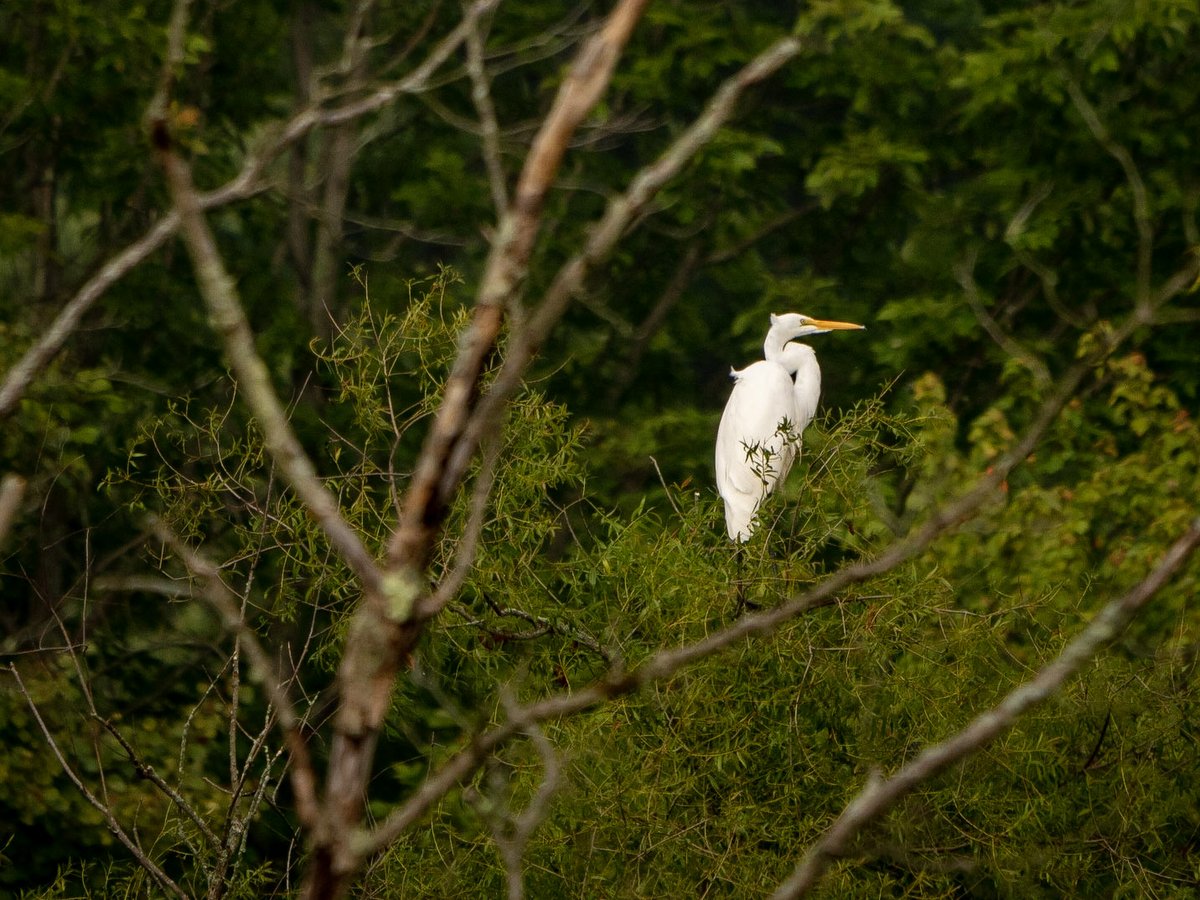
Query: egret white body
(771, 404)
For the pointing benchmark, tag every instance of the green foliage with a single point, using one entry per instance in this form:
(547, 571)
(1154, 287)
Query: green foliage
(909, 144)
(711, 782)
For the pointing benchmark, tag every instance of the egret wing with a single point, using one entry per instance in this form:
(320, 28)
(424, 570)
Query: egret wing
(754, 451)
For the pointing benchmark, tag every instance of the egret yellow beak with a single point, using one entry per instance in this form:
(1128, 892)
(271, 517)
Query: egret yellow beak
(835, 326)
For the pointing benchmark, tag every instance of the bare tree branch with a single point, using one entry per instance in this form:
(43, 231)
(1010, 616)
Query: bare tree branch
(228, 318)
(164, 881)
(226, 603)
(246, 183)
(880, 795)
(21, 375)
(481, 95)
(1141, 203)
(417, 80)
(383, 629)
(12, 489)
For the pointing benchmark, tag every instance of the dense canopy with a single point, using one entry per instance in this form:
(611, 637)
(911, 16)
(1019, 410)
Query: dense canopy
(360, 368)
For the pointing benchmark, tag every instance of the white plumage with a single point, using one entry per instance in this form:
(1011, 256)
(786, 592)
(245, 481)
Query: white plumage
(772, 402)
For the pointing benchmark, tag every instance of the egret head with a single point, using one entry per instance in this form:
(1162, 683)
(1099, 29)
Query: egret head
(795, 325)
(789, 326)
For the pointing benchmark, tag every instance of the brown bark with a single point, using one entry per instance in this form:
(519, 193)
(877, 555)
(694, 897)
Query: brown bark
(385, 628)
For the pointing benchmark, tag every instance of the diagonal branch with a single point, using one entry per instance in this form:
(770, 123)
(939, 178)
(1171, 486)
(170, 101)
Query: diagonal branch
(1141, 203)
(227, 605)
(164, 881)
(622, 211)
(248, 182)
(229, 319)
(880, 795)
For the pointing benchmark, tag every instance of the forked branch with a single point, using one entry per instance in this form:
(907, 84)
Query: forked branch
(164, 881)
(248, 182)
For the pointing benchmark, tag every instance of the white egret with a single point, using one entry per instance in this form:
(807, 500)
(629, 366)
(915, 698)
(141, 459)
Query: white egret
(771, 404)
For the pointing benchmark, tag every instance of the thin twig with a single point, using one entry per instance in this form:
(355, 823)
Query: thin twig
(226, 603)
(416, 81)
(481, 96)
(879, 795)
(965, 274)
(1137, 187)
(114, 826)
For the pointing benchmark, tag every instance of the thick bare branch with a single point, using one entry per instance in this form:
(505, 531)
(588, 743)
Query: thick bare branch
(880, 795)
(434, 483)
(383, 629)
(254, 380)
